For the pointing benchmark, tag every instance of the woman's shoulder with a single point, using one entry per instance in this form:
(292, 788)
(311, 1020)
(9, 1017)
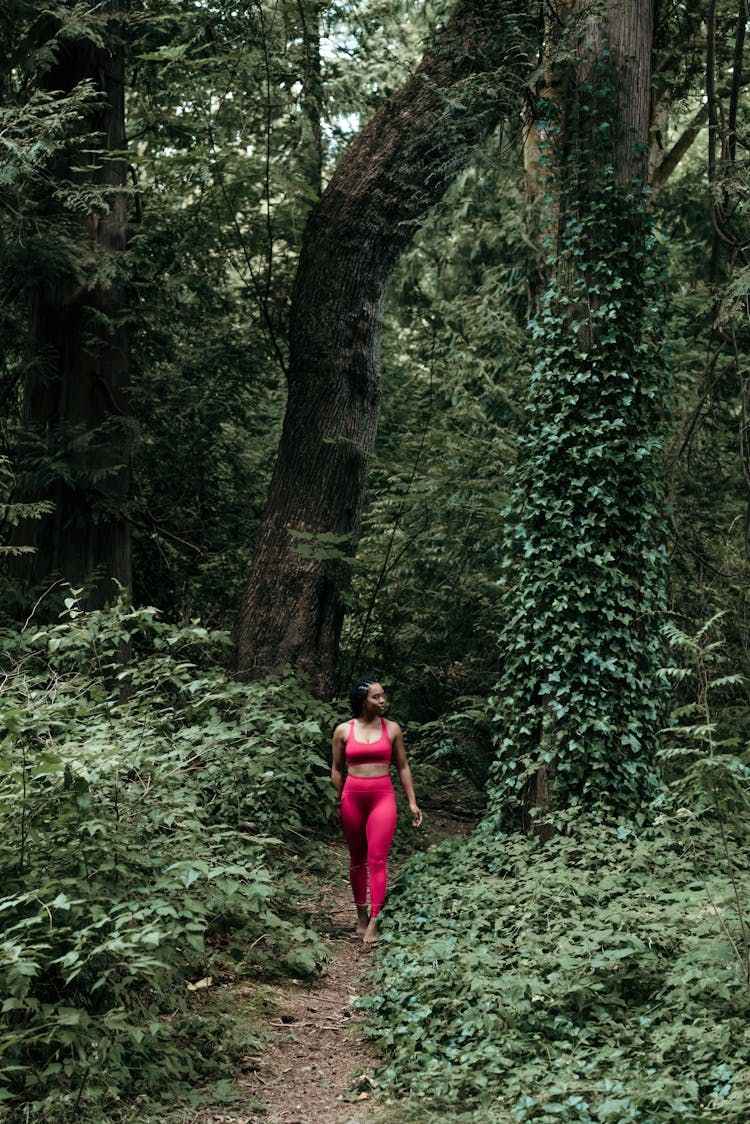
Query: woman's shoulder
(392, 728)
(343, 727)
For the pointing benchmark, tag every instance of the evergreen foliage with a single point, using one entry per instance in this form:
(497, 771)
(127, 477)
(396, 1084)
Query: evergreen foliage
(600, 979)
(38, 127)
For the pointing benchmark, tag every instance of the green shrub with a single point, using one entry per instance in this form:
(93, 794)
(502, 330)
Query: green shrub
(148, 803)
(603, 977)
(593, 979)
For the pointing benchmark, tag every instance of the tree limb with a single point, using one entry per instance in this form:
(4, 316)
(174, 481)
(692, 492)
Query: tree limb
(686, 138)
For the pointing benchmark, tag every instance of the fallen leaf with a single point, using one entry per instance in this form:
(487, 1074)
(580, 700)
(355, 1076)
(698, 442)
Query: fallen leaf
(205, 982)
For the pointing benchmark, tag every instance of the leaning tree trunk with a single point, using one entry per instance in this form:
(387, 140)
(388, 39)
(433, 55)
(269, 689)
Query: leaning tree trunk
(75, 452)
(394, 172)
(579, 701)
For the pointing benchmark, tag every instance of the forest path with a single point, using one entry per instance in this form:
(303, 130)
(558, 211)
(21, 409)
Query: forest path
(315, 1065)
(315, 1054)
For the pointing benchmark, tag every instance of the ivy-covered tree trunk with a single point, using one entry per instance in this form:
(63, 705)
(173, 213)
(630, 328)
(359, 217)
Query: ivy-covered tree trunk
(395, 171)
(578, 704)
(75, 450)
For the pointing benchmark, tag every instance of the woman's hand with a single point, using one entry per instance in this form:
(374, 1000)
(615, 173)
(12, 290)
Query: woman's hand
(416, 814)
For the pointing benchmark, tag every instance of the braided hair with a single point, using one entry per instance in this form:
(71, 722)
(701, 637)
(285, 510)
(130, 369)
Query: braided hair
(358, 694)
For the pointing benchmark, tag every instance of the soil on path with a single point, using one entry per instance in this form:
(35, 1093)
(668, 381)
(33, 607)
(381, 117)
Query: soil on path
(315, 1066)
(315, 1063)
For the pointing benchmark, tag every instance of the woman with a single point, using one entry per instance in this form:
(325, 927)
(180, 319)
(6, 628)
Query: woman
(366, 744)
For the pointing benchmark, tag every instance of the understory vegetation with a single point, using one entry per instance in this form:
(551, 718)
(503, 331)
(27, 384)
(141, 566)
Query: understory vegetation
(602, 976)
(153, 811)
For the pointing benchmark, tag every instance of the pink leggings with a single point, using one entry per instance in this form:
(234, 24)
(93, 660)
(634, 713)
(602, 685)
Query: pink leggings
(368, 817)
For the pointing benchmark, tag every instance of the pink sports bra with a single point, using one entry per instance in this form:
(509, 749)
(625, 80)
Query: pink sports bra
(376, 753)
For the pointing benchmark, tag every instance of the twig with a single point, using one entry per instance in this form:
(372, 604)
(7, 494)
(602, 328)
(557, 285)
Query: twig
(723, 925)
(337, 1024)
(37, 603)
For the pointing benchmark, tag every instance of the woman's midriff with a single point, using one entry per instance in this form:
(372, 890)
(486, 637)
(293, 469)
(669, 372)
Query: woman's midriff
(373, 770)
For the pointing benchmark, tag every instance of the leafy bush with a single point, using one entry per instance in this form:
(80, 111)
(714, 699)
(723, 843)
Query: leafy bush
(594, 979)
(148, 803)
(461, 739)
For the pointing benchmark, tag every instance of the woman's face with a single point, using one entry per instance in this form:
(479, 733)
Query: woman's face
(376, 697)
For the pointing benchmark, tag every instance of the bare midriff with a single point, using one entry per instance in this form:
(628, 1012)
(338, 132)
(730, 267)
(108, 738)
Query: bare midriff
(367, 770)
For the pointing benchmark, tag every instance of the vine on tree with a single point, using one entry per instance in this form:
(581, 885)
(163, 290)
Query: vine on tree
(579, 702)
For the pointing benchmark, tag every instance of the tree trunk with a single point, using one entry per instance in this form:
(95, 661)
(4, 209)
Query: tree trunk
(394, 172)
(76, 446)
(579, 702)
(581, 149)
(311, 155)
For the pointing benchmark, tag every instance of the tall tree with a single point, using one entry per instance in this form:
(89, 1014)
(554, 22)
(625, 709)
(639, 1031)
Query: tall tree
(76, 444)
(707, 458)
(578, 703)
(393, 174)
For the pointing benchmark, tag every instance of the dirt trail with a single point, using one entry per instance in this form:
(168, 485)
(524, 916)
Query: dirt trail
(315, 1059)
(315, 1067)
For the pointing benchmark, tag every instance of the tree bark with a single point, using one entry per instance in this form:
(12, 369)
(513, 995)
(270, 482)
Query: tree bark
(75, 409)
(312, 98)
(393, 174)
(630, 35)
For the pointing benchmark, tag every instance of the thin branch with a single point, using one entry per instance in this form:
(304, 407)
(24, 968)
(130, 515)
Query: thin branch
(691, 132)
(711, 97)
(255, 286)
(738, 583)
(734, 96)
(688, 429)
(267, 185)
(155, 530)
(37, 603)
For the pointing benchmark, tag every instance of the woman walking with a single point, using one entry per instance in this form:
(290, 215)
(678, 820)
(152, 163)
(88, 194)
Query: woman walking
(366, 744)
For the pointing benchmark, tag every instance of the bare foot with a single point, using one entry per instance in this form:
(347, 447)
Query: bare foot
(363, 920)
(370, 935)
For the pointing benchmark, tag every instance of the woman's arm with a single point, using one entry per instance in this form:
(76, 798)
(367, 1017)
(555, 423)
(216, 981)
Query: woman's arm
(339, 747)
(404, 772)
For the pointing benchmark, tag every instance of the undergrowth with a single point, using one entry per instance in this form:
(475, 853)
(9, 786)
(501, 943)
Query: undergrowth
(152, 810)
(594, 979)
(602, 977)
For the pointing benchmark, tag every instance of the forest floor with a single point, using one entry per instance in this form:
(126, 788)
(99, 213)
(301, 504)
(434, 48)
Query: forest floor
(313, 1064)
(313, 1058)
